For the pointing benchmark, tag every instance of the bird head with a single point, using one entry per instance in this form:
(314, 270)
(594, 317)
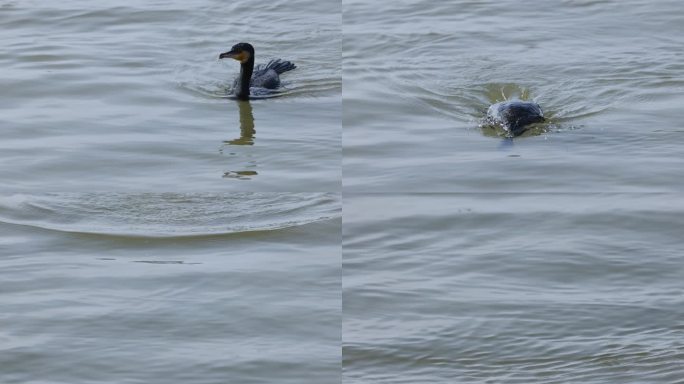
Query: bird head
(241, 52)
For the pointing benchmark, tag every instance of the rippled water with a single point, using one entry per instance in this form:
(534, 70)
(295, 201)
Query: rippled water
(153, 229)
(419, 75)
(513, 288)
(131, 96)
(170, 288)
(162, 215)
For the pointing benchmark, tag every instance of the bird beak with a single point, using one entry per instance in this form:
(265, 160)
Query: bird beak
(229, 54)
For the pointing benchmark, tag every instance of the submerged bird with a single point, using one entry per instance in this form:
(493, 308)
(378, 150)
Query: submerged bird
(261, 76)
(515, 116)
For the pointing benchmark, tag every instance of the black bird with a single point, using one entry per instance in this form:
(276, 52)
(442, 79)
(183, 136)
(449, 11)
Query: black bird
(515, 116)
(263, 76)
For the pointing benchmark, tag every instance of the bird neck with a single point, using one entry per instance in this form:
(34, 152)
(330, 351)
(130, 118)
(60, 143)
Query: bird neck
(246, 70)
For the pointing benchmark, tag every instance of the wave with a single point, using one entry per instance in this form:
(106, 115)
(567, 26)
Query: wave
(168, 214)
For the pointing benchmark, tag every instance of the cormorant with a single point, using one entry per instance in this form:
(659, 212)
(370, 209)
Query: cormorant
(515, 115)
(263, 76)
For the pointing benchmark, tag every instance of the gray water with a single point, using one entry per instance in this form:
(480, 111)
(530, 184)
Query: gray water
(152, 228)
(513, 288)
(155, 230)
(131, 96)
(170, 288)
(419, 76)
(554, 257)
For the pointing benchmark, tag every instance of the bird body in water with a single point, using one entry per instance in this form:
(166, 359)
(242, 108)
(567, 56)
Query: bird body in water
(262, 76)
(515, 116)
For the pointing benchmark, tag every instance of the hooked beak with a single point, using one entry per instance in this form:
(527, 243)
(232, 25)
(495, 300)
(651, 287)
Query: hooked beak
(229, 54)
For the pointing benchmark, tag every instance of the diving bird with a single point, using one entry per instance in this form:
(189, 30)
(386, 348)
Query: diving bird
(515, 116)
(262, 76)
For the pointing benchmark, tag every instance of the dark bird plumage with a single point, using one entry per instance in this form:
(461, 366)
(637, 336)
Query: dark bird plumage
(262, 76)
(515, 116)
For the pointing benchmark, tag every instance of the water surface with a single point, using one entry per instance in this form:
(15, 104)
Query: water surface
(419, 76)
(513, 288)
(170, 288)
(131, 96)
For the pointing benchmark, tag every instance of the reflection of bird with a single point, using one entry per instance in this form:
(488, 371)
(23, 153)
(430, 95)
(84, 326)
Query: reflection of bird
(515, 116)
(247, 130)
(263, 76)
